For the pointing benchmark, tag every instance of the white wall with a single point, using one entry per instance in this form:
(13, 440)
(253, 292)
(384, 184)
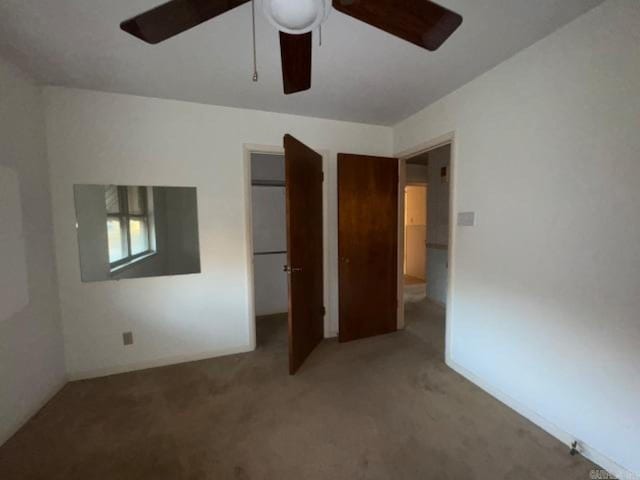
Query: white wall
(438, 226)
(31, 351)
(546, 287)
(108, 138)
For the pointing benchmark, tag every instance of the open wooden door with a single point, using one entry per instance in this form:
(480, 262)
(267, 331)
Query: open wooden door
(367, 245)
(303, 177)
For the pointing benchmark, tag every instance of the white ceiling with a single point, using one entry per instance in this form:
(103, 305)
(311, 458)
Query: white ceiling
(359, 74)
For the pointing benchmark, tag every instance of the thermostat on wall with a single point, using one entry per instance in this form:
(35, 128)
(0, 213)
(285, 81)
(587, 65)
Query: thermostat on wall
(467, 219)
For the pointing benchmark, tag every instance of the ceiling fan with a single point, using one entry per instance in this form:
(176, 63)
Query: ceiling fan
(421, 22)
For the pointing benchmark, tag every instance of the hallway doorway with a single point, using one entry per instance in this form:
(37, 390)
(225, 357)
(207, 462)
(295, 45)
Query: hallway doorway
(425, 233)
(426, 227)
(415, 240)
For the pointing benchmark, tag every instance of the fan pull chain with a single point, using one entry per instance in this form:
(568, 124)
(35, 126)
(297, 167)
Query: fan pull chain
(319, 35)
(253, 29)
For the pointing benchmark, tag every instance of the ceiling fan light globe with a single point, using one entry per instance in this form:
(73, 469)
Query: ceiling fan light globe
(296, 16)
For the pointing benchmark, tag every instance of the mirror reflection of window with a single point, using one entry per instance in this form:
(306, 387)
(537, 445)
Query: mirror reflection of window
(129, 231)
(128, 226)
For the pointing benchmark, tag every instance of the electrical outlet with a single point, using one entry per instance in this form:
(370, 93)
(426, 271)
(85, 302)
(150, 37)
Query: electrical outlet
(127, 338)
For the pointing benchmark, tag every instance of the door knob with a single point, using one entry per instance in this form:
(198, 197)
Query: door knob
(288, 269)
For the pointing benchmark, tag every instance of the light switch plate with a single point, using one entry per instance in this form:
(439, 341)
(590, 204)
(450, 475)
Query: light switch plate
(467, 219)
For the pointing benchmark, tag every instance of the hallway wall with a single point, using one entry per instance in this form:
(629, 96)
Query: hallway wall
(438, 225)
(545, 297)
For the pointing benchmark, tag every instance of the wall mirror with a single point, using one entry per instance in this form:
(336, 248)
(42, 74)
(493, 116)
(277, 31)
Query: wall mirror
(127, 231)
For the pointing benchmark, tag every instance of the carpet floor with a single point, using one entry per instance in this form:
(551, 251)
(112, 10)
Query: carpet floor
(382, 408)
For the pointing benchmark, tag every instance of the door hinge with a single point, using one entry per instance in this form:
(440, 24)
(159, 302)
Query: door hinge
(322, 173)
(324, 311)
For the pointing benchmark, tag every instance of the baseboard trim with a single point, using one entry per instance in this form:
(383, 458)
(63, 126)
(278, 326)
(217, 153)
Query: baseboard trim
(161, 362)
(21, 422)
(585, 450)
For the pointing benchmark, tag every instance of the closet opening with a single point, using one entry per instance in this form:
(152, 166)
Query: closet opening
(268, 208)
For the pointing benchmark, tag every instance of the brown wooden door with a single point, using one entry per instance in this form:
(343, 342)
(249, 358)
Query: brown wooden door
(367, 245)
(303, 175)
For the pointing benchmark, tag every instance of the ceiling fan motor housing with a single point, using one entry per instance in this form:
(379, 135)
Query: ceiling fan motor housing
(296, 16)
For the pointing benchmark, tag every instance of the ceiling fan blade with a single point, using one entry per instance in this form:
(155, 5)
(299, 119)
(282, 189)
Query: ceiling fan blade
(421, 22)
(295, 51)
(176, 16)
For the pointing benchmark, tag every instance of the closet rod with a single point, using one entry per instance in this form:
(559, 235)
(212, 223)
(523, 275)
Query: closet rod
(268, 183)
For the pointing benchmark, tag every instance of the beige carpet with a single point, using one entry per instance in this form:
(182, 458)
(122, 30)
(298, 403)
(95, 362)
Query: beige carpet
(382, 408)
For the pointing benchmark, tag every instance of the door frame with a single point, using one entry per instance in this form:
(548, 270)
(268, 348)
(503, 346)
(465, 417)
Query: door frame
(403, 156)
(248, 149)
